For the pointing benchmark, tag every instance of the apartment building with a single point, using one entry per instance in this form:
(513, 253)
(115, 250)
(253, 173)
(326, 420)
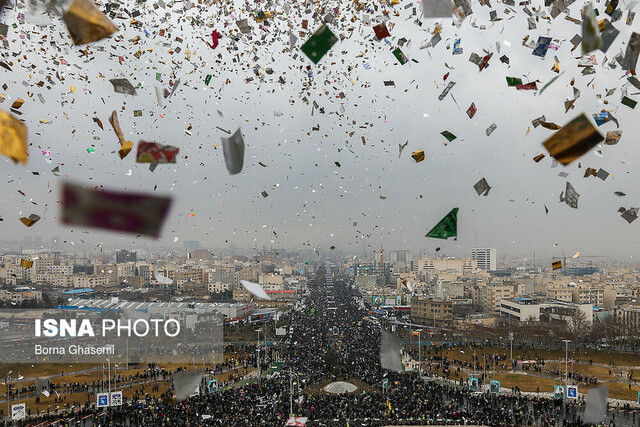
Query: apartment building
(431, 311)
(587, 294)
(560, 292)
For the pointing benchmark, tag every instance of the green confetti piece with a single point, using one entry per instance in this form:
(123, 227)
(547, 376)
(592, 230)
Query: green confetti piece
(207, 79)
(629, 102)
(400, 56)
(447, 227)
(91, 150)
(450, 137)
(319, 44)
(513, 81)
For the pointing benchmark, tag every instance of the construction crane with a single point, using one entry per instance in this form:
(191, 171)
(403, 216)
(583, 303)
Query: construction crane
(563, 258)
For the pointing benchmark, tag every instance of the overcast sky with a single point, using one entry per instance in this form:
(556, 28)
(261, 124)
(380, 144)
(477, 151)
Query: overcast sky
(311, 199)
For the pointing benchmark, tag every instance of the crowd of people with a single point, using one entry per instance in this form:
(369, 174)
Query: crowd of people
(332, 337)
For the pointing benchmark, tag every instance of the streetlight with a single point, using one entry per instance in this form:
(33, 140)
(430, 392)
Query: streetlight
(511, 340)
(420, 353)
(259, 367)
(8, 400)
(291, 373)
(566, 365)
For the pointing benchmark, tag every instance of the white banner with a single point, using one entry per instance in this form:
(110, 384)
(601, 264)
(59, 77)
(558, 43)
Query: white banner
(18, 411)
(116, 398)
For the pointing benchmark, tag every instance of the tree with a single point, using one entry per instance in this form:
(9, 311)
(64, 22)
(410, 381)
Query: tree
(578, 325)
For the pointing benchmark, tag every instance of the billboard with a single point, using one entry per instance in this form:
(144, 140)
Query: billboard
(558, 392)
(390, 300)
(494, 386)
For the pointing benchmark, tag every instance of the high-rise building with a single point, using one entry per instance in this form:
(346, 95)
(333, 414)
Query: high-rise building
(486, 258)
(124, 255)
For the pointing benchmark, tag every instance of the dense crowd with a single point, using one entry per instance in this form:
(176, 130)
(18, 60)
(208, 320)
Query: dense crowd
(332, 337)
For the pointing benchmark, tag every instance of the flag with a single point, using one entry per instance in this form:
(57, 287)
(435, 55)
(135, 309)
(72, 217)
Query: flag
(297, 421)
(556, 265)
(388, 403)
(26, 263)
(390, 356)
(185, 383)
(415, 333)
(114, 210)
(447, 227)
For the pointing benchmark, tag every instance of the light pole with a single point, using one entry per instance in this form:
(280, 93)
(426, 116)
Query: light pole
(291, 374)
(494, 366)
(259, 367)
(109, 375)
(474, 364)
(511, 344)
(19, 378)
(566, 365)
(8, 400)
(484, 369)
(420, 353)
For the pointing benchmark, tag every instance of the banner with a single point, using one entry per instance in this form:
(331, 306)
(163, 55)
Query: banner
(116, 398)
(18, 411)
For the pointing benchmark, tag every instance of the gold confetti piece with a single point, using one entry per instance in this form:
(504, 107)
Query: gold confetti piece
(418, 156)
(13, 138)
(17, 103)
(125, 148)
(86, 23)
(573, 140)
(33, 218)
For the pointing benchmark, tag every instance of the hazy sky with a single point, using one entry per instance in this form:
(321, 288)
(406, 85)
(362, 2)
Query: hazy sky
(311, 199)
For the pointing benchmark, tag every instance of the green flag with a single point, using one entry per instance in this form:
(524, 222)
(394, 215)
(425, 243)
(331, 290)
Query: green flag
(447, 227)
(319, 44)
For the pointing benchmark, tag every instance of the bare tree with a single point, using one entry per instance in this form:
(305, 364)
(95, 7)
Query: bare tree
(578, 325)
